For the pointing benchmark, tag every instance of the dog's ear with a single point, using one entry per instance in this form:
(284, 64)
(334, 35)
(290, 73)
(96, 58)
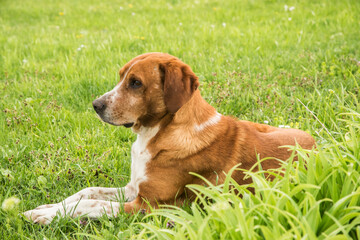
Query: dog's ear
(179, 83)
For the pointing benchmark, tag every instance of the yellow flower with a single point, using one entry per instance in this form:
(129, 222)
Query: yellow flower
(10, 204)
(214, 8)
(79, 36)
(130, 6)
(142, 38)
(61, 13)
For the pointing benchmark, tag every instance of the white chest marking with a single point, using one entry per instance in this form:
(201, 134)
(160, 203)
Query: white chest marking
(210, 122)
(139, 158)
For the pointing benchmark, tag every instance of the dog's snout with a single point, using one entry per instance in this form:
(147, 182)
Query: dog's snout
(99, 106)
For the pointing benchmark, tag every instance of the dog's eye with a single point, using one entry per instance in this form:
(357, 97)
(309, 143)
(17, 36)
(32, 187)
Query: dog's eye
(134, 83)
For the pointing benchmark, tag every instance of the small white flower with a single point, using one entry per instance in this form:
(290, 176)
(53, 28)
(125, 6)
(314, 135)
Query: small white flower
(286, 7)
(180, 23)
(82, 45)
(281, 126)
(133, 14)
(287, 126)
(212, 25)
(291, 8)
(79, 49)
(25, 60)
(289, 18)
(224, 24)
(266, 122)
(10, 204)
(121, 8)
(331, 91)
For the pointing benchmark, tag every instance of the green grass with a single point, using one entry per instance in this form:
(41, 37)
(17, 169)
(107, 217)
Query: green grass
(255, 61)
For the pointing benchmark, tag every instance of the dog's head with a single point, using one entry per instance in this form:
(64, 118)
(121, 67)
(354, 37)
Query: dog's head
(151, 86)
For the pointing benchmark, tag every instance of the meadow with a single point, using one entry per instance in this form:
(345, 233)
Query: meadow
(285, 63)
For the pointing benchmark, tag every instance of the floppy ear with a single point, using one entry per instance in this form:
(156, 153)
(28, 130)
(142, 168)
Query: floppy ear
(179, 83)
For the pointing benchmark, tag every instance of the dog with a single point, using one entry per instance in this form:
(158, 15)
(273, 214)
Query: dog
(178, 132)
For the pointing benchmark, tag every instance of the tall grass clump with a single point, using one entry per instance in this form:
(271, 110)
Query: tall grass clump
(316, 197)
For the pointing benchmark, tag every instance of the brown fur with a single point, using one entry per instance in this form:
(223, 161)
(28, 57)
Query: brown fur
(170, 98)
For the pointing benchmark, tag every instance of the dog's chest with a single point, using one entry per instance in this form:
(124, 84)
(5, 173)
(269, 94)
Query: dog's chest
(140, 156)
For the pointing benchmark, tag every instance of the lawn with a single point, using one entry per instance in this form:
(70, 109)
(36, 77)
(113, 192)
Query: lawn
(293, 63)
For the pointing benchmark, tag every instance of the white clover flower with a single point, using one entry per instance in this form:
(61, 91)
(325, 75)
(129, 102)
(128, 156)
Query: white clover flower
(289, 18)
(10, 204)
(266, 122)
(224, 24)
(287, 8)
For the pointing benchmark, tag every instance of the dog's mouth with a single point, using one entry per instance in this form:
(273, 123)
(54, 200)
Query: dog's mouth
(128, 125)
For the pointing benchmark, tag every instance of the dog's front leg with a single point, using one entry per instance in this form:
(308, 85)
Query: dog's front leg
(48, 211)
(98, 193)
(88, 207)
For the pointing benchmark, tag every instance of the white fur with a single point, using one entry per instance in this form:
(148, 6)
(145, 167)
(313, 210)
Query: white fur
(210, 122)
(139, 158)
(87, 207)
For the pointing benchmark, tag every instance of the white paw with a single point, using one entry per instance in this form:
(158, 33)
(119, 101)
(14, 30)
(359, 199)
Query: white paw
(41, 216)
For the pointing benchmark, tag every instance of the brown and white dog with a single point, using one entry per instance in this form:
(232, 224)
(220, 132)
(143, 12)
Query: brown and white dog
(177, 132)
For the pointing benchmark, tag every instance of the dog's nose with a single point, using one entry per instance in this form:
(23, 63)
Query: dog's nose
(99, 105)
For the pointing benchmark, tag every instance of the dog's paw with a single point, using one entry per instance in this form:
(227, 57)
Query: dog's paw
(41, 216)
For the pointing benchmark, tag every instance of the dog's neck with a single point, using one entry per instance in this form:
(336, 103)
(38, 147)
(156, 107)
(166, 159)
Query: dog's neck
(188, 131)
(195, 112)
